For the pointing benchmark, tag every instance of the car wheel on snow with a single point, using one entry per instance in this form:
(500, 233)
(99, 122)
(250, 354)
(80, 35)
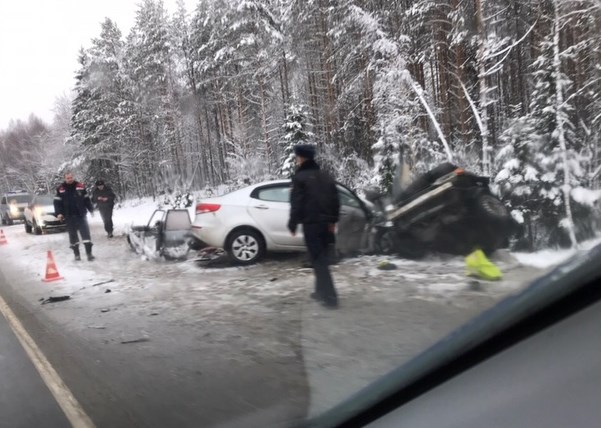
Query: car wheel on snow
(385, 242)
(27, 227)
(409, 248)
(493, 207)
(245, 246)
(36, 229)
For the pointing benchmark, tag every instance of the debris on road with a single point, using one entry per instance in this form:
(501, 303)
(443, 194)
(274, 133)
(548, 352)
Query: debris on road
(97, 327)
(54, 299)
(105, 310)
(386, 265)
(139, 340)
(103, 282)
(108, 290)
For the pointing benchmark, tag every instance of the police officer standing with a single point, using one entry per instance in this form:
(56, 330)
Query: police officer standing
(315, 204)
(72, 203)
(104, 198)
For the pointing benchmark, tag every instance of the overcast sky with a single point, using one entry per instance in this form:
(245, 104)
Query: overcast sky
(39, 44)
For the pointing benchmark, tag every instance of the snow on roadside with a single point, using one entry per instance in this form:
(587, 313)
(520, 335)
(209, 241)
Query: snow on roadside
(552, 257)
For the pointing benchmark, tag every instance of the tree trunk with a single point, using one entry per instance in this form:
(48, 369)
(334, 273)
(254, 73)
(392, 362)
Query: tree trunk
(481, 67)
(566, 188)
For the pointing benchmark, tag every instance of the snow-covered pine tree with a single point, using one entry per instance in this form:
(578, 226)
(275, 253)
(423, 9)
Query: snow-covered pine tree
(295, 132)
(519, 177)
(555, 167)
(156, 90)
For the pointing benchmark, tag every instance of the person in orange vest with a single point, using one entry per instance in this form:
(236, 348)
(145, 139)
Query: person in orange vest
(72, 204)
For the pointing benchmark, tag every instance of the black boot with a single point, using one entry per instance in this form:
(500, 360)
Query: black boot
(88, 246)
(76, 252)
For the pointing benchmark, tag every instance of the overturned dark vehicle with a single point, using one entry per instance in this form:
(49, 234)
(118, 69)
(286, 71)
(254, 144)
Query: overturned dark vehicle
(446, 210)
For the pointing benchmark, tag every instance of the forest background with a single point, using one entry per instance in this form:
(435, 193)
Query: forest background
(219, 95)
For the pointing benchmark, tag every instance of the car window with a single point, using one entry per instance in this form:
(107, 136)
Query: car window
(43, 200)
(157, 217)
(347, 199)
(19, 199)
(177, 220)
(275, 194)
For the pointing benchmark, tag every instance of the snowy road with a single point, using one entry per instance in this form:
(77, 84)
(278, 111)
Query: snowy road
(229, 346)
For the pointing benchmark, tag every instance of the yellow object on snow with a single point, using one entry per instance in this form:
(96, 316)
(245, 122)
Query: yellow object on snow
(477, 264)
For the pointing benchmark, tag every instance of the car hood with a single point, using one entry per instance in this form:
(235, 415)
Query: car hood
(46, 209)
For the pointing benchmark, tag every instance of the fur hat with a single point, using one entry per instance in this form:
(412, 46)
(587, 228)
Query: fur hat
(306, 151)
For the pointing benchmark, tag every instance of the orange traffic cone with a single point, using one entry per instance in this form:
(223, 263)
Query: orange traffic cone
(52, 273)
(3, 240)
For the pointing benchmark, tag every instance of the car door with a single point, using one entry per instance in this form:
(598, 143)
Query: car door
(352, 222)
(269, 206)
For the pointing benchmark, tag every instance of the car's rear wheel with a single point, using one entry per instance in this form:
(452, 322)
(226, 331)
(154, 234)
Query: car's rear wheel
(245, 246)
(27, 227)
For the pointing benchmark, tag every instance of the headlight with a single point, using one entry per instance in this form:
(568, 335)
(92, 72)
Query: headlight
(38, 212)
(14, 210)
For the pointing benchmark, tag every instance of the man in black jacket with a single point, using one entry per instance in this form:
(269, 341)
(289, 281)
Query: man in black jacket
(72, 203)
(104, 198)
(315, 204)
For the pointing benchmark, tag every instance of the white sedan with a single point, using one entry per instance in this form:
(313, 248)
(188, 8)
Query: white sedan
(250, 221)
(39, 216)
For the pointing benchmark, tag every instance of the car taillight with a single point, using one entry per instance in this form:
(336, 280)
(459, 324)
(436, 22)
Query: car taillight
(207, 208)
(459, 171)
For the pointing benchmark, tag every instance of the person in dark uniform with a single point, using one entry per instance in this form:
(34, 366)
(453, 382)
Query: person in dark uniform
(315, 204)
(104, 198)
(72, 204)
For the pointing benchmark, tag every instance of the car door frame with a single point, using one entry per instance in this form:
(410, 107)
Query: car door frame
(282, 239)
(360, 214)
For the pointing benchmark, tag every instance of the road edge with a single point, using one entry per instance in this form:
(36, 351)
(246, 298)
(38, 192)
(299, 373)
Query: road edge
(61, 393)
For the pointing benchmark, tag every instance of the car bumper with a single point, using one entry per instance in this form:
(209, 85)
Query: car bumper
(209, 236)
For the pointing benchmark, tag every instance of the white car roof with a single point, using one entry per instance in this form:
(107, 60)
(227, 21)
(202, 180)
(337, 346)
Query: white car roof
(245, 191)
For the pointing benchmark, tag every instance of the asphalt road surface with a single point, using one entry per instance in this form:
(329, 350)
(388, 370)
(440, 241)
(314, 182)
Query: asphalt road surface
(153, 344)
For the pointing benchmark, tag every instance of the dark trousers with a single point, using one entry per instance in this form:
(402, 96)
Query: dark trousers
(317, 239)
(107, 218)
(77, 224)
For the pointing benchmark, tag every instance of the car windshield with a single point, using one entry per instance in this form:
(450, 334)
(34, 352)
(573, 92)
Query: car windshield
(252, 210)
(44, 200)
(18, 199)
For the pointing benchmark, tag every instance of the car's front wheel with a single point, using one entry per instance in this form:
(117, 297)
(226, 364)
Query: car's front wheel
(245, 246)
(36, 229)
(493, 207)
(27, 227)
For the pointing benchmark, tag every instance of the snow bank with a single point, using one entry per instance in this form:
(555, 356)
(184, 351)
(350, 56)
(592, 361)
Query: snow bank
(585, 196)
(548, 258)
